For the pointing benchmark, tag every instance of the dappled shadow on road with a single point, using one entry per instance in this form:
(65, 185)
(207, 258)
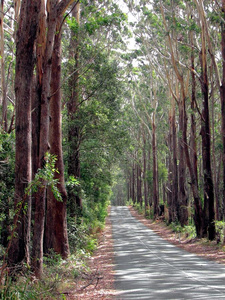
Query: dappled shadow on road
(148, 267)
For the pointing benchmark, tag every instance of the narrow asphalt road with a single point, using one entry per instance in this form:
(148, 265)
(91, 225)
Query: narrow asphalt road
(148, 267)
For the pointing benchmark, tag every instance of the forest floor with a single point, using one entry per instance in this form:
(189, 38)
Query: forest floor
(99, 282)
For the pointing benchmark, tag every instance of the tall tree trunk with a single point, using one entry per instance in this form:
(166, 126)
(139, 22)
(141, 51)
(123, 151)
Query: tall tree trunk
(222, 93)
(174, 203)
(40, 197)
(155, 169)
(56, 237)
(133, 183)
(25, 58)
(183, 199)
(192, 159)
(145, 170)
(138, 182)
(2, 57)
(170, 171)
(56, 9)
(75, 201)
(214, 160)
(148, 183)
(209, 211)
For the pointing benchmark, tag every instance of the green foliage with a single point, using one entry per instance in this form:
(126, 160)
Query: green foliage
(46, 177)
(176, 227)
(220, 230)
(139, 208)
(162, 172)
(7, 176)
(187, 230)
(80, 237)
(190, 231)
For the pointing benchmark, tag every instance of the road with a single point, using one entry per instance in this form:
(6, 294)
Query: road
(148, 267)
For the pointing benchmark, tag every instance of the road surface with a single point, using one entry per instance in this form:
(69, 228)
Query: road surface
(148, 267)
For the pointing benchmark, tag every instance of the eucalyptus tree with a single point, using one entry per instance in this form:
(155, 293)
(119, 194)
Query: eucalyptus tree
(33, 27)
(26, 36)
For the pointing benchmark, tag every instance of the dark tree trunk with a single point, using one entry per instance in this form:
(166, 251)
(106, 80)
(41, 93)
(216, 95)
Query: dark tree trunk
(192, 159)
(56, 9)
(145, 171)
(56, 237)
(170, 175)
(43, 143)
(133, 184)
(174, 204)
(155, 170)
(183, 199)
(26, 36)
(209, 211)
(138, 183)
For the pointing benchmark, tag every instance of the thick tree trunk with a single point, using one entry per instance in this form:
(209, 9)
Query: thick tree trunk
(26, 35)
(38, 205)
(56, 237)
(40, 197)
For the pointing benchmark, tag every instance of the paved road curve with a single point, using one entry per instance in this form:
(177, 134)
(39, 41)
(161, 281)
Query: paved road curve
(147, 267)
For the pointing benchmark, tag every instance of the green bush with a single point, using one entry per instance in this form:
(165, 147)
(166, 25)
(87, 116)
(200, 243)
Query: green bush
(190, 231)
(220, 230)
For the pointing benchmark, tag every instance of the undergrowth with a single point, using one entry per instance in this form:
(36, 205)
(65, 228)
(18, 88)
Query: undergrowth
(58, 274)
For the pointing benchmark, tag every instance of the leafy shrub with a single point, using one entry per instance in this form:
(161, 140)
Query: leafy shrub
(190, 231)
(80, 237)
(220, 230)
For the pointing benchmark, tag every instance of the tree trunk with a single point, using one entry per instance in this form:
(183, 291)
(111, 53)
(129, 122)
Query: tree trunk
(74, 139)
(56, 237)
(209, 212)
(155, 169)
(174, 203)
(198, 217)
(26, 35)
(183, 199)
(192, 159)
(138, 183)
(2, 57)
(222, 96)
(145, 170)
(133, 183)
(40, 197)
